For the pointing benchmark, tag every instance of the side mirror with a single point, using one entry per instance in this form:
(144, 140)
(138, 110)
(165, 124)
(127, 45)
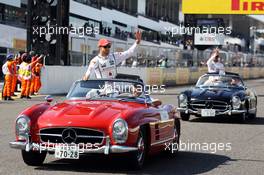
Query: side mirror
(49, 98)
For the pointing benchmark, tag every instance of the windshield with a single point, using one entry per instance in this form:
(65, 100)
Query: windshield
(107, 90)
(224, 81)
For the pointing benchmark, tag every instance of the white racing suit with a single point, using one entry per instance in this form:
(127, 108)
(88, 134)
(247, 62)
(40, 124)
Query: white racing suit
(215, 67)
(107, 67)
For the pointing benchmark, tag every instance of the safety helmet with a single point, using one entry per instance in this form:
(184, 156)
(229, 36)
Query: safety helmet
(9, 57)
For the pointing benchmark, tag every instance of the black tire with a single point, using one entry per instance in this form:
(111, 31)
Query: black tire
(185, 117)
(252, 116)
(177, 129)
(241, 118)
(174, 146)
(137, 158)
(33, 158)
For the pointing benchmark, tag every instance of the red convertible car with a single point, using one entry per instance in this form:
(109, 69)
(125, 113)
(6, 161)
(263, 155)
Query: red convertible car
(108, 116)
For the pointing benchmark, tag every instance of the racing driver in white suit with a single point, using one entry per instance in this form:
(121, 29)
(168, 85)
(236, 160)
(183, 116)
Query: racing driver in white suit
(214, 64)
(105, 63)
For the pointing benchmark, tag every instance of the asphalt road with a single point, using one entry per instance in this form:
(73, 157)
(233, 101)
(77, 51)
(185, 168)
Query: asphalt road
(245, 143)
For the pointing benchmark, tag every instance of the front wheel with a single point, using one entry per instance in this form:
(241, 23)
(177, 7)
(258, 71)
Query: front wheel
(253, 116)
(241, 118)
(185, 117)
(33, 158)
(137, 158)
(173, 148)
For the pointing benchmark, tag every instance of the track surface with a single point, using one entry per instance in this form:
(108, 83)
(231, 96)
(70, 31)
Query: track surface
(245, 157)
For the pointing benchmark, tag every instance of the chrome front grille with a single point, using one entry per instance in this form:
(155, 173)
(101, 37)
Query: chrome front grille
(71, 135)
(208, 104)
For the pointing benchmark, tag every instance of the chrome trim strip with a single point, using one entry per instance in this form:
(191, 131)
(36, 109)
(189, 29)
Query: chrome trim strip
(163, 141)
(164, 127)
(104, 149)
(78, 136)
(55, 135)
(197, 104)
(72, 128)
(83, 136)
(122, 149)
(253, 109)
(165, 121)
(227, 112)
(221, 104)
(160, 122)
(134, 129)
(209, 101)
(18, 145)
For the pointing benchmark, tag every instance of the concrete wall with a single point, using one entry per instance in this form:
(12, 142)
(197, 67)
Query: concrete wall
(58, 79)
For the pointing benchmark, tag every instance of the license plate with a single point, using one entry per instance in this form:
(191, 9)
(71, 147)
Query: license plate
(208, 113)
(66, 152)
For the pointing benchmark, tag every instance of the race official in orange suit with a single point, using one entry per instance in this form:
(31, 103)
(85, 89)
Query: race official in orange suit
(14, 82)
(37, 72)
(8, 71)
(33, 77)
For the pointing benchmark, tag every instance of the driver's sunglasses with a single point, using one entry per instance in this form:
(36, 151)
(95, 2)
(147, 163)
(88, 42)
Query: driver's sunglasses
(107, 46)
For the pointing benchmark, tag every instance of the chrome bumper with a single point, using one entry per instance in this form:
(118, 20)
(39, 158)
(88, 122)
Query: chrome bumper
(227, 112)
(106, 149)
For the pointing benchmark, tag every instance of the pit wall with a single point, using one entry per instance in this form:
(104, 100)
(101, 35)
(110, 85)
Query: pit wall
(58, 79)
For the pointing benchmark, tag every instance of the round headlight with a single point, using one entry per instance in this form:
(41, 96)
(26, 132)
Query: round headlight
(120, 131)
(236, 102)
(22, 124)
(183, 100)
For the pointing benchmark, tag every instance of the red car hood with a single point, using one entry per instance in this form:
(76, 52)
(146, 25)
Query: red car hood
(92, 114)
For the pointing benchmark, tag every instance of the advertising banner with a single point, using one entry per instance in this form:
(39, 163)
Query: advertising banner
(223, 7)
(208, 39)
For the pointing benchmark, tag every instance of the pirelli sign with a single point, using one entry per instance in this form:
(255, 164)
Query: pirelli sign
(223, 6)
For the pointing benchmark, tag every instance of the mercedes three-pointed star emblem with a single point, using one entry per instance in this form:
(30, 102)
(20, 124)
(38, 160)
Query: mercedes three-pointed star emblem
(69, 135)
